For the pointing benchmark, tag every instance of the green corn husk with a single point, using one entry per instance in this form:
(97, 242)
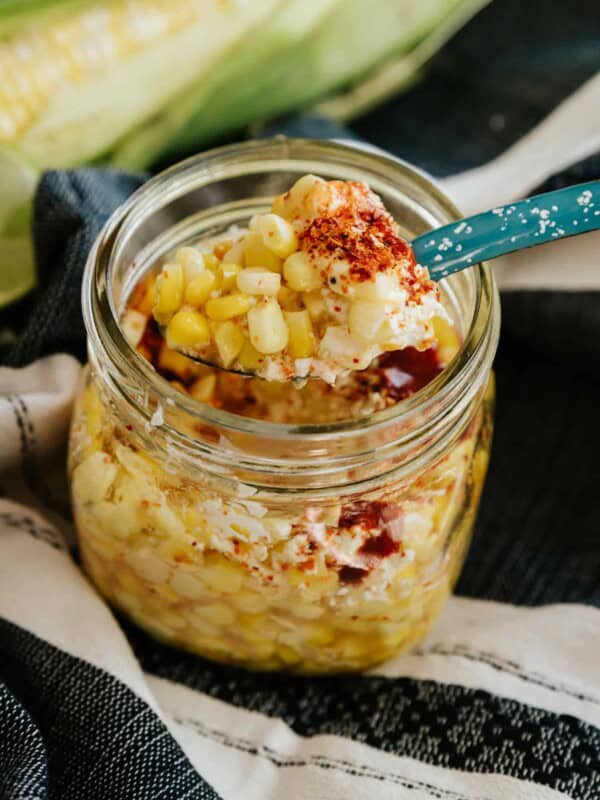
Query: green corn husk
(352, 39)
(398, 73)
(179, 127)
(78, 76)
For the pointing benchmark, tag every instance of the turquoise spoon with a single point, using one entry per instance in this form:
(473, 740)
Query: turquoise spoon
(526, 223)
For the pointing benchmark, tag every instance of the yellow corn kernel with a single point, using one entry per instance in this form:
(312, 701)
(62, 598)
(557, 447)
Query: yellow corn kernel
(447, 339)
(188, 329)
(249, 357)
(221, 308)
(257, 254)
(258, 281)
(301, 338)
(223, 577)
(287, 654)
(296, 577)
(296, 201)
(226, 276)
(133, 325)
(254, 621)
(288, 299)
(300, 274)
(142, 299)
(263, 653)
(235, 254)
(355, 647)
(204, 388)
(229, 339)
(267, 328)
(211, 262)
(250, 602)
(172, 361)
(168, 295)
(365, 320)
(318, 635)
(218, 614)
(191, 260)
(199, 288)
(277, 233)
(315, 305)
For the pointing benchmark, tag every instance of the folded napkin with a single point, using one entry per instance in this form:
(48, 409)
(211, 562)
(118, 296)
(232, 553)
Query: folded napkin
(502, 700)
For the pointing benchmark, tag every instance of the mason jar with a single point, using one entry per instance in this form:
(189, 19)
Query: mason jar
(315, 548)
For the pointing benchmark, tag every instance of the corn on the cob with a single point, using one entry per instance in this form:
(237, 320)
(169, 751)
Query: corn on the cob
(38, 63)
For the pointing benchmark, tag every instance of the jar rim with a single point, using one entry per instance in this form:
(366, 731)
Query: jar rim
(105, 335)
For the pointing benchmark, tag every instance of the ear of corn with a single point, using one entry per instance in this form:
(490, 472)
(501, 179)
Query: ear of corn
(85, 74)
(389, 40)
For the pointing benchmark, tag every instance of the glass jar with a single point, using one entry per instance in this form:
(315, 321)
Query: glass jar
(312, 548)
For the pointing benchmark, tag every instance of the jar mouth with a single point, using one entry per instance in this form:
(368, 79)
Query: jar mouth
(111, 273)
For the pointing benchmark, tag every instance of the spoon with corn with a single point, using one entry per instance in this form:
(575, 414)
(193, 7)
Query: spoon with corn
(266, 306)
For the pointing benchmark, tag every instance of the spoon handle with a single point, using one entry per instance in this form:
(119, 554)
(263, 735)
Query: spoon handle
(526, 223)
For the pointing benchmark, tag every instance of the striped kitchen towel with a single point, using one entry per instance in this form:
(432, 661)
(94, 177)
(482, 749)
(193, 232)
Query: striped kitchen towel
(501, 701)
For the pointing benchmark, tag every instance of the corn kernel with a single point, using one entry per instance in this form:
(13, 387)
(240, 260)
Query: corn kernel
(447, 339)
(250, 602)
(315, 305)
(204, 388)
(221, 248)
(211, 262)
(365, 320)
(267, 328)
(133, 325)
(287, 654)
(226, 276)
(301, 337)
(143, 296)
(168, 295)
(288, 299)
(188, 329)
(296, 577)
(296, 201)
(258, 281)
(257, 254)
(223, 577)
(186, 585)
(384, 288)
(338, 344)
(191, 260)
(249, 357)
(353, 647)
(318, 635)
(235, 254)
(199, 288)
(221, 308)
(219, 614)
(229, 339)
(277, 233)
(172, 361)
(300, 274)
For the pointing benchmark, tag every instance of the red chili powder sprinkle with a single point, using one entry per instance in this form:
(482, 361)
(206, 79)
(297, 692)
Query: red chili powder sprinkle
(381, 546)
(359, 230)
(363, 512)
(349, 574)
